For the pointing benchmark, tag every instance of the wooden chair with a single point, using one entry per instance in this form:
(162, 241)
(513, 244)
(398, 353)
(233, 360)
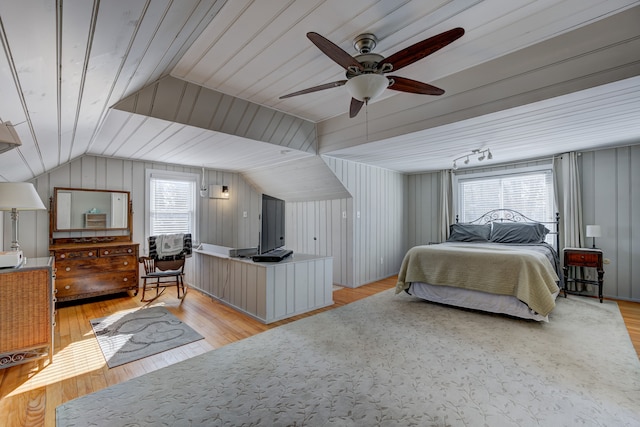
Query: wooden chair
(161, 274)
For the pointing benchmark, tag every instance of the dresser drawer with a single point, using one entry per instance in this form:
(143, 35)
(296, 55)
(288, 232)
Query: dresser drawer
(96, 284)
(77, 267)
(117, 251)
(79, 254)
(584, 259)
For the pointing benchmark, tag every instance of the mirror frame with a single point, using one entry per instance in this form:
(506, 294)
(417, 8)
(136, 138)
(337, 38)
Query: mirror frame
(54, 210)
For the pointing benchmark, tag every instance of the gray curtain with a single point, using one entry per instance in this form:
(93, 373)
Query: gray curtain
(569, 202)
(446, 204)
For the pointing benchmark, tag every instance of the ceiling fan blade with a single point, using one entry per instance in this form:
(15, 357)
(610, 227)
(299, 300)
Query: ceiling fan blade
(334, 52)
(422, 49)
(403, 84)
(355, 107)
(315, 89)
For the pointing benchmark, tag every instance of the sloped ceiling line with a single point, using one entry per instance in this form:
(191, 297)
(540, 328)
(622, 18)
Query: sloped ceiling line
(92, 31)
(16, 81)
(228, 116)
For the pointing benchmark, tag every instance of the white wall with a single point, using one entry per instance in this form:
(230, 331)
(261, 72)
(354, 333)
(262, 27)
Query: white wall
(422, 208)
(396, 212)
(610, 198)
(221, 221)
(369, 243)
(319, 228)
(2, 231)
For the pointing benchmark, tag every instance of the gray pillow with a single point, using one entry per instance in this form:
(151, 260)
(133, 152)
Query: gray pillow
(518, 232)
(469, 233)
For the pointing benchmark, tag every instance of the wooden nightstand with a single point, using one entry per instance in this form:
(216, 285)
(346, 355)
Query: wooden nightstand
(583, 257)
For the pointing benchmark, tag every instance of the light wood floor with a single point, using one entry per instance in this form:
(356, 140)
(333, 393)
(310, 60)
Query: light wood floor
(29, 393)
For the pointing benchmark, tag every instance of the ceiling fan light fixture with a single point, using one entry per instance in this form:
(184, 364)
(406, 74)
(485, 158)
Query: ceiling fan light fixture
(366, 87)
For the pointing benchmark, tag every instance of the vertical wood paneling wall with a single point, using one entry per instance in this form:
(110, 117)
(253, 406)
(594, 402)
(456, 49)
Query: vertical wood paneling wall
(423, 193)
(318, 228)
(221, 221)
(396, 212)
(364, 234)
(611, 199)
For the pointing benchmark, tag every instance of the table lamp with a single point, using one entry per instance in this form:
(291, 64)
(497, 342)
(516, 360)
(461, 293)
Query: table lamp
(594, 231)
(18, 196)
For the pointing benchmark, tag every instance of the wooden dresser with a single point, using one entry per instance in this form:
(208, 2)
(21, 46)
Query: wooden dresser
(90, 269)
(90, 238)
(26, 312)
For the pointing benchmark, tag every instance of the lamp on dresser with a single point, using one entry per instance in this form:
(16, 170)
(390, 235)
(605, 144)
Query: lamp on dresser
(18, 196)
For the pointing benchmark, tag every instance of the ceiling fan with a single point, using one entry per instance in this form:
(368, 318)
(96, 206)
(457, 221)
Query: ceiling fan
(365, 72)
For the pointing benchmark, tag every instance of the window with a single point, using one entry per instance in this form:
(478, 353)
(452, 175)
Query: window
(528, 192)
(172, 202)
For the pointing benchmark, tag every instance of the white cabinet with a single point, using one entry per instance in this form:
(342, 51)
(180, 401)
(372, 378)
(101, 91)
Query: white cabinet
(266, 291)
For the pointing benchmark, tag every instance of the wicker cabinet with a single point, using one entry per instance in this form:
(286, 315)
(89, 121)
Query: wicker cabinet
(86, 270)
(26, 312)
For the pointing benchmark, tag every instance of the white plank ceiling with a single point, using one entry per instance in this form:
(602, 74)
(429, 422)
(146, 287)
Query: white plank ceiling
(528, 79)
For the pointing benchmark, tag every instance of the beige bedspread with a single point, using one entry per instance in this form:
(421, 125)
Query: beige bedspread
(525, 274)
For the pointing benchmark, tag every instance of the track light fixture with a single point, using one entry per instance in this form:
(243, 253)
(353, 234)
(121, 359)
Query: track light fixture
(482, 154)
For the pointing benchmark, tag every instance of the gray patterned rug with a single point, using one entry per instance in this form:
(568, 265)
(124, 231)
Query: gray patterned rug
(394, 360)
(131, 335)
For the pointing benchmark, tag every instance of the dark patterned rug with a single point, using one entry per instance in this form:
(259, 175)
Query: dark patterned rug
(131, 335)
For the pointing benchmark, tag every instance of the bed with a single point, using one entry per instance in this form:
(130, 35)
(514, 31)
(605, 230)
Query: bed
(499, 263)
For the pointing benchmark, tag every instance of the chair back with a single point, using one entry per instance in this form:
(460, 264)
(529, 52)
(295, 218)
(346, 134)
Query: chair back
(185, 252)
(170, 264)
(148, 264)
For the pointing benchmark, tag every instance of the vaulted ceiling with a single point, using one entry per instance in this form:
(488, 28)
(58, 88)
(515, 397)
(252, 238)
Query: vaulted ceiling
(197, 82)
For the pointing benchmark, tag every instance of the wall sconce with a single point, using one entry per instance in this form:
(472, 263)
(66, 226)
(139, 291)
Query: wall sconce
(18, 196)
(594, 231)
(218, 191)
(482, 154)
(203, 187)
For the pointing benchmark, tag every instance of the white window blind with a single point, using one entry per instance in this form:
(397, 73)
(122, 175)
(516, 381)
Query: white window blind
(172, 206)
(528, 193)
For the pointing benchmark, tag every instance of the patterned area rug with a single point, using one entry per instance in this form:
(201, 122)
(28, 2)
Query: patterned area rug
(394, 360)
(131, 335)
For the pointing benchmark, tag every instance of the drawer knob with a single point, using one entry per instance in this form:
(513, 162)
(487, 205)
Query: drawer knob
(67, 269)
(63, 256)
(106, 252)
(126, 263)
(125, 279)
(67, 287)
(90, 253)
(129, 250)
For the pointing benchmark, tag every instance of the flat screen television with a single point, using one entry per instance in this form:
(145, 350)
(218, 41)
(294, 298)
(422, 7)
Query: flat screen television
(272, 230)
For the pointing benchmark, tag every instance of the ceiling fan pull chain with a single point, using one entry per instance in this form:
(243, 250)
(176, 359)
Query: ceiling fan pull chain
(366, 119)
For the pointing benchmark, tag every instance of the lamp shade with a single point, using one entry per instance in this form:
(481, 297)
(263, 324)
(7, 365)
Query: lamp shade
(594, 231)
(21, 196)
(367, 86)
